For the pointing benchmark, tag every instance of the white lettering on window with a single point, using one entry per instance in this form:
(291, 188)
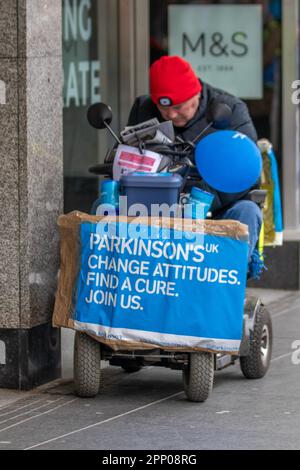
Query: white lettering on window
(70, 20)
(72, 87)
(77, 20)
(86, 32)
(84, 68)
(95, 81)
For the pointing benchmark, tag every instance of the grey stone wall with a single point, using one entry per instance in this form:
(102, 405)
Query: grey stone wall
(31, 157)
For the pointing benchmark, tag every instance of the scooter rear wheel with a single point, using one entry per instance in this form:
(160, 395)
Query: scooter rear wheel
(198, 376)
(87, 358)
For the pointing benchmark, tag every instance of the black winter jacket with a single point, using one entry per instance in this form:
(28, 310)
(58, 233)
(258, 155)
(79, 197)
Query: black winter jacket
(144, 109)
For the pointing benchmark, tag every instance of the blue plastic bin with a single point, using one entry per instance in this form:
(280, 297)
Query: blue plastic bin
(151, 188)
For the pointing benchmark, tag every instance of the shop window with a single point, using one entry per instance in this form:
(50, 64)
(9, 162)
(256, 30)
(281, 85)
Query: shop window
(90, 75)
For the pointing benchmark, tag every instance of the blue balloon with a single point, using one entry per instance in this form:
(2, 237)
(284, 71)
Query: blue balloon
(228, 161)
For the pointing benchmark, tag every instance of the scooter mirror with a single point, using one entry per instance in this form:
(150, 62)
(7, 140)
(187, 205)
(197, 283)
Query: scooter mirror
(219, 114)
(99, 115)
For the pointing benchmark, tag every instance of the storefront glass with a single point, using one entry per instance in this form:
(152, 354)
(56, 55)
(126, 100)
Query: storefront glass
(90, 60)
(234, 46)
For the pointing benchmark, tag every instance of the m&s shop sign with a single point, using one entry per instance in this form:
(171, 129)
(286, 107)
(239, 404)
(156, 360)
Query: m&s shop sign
(222, 42)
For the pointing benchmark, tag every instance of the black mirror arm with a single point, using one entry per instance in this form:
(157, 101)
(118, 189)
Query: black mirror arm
(195, 140)
(112, 132)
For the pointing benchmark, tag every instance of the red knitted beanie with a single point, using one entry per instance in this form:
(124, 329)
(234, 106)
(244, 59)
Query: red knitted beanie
(172, 81)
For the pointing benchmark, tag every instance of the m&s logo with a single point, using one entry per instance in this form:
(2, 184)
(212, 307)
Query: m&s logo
(215, 45)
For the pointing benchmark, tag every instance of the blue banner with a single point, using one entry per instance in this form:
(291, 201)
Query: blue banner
(167, 289)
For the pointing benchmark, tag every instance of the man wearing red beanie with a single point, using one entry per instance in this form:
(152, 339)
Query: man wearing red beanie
(175, 89)
(178, 95)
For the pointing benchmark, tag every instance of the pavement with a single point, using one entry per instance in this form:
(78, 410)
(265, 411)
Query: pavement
(149, 410)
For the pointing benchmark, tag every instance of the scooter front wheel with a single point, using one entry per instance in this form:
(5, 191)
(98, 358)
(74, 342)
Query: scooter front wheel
(256, 363)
